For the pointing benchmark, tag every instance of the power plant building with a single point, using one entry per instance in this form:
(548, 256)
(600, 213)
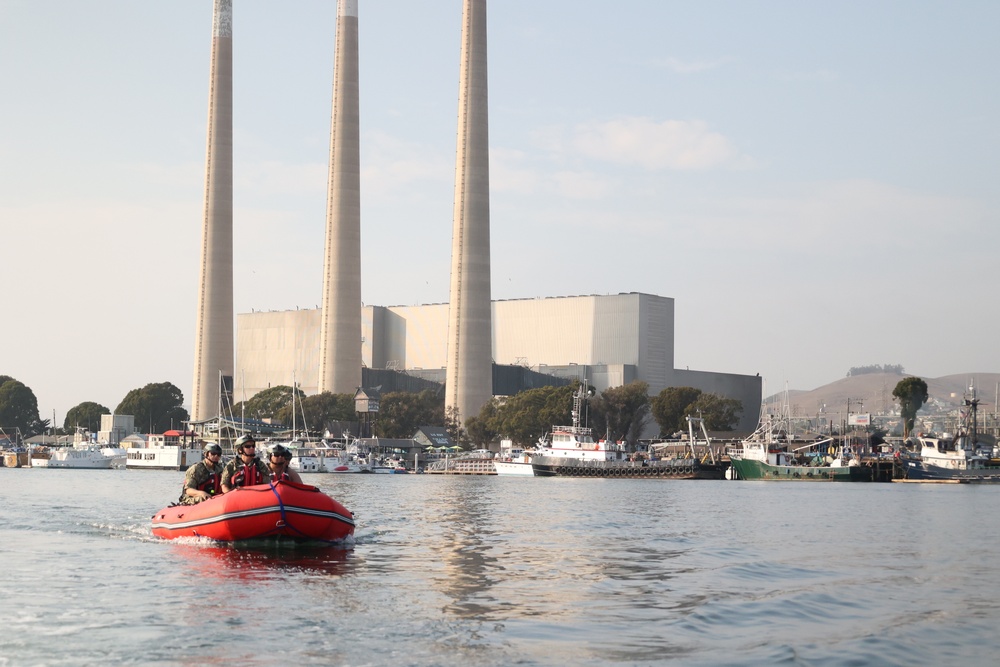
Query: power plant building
(475, 346)
(609, 340)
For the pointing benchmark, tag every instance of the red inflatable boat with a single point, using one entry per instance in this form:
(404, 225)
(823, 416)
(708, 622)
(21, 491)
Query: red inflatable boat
(283, 509)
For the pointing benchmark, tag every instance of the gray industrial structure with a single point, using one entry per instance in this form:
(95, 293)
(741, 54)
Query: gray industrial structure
(340, 329)
(609, 340)
(468, 362)
(213, 348)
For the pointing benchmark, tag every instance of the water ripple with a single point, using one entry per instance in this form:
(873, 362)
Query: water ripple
(497, 571)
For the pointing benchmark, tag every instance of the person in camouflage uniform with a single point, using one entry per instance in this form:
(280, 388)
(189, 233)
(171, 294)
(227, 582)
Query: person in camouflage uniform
(246, 469)
(279, 457)
(204, 479)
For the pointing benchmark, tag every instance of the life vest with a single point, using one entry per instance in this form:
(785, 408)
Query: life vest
(213, 485)
(247, 475)
(283, 476)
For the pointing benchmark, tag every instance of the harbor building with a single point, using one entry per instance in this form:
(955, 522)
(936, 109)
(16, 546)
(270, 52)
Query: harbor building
(609, 340)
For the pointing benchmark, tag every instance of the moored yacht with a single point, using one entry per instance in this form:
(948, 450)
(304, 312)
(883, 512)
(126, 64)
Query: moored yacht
(73, 457)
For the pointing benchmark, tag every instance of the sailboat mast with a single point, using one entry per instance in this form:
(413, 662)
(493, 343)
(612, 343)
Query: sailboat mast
(243, 402)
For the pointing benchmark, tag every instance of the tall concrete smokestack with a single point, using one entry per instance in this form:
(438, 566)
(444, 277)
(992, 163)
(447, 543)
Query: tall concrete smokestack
(470, 333)
(213, 350)
(340, 330)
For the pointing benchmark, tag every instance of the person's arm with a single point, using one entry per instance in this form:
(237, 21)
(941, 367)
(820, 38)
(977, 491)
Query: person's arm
(196, 493)
(191, 483)
(227, 475)
(294, 476)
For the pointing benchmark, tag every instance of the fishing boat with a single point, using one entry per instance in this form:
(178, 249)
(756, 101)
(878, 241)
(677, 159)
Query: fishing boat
(279, 510)
(958, 458)
(767, 455)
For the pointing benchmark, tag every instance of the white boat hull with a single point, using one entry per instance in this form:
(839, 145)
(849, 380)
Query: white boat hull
(304, 464)
(336, 467)
(81, 459)
(514, 468)
(117, 455)
(162, 458)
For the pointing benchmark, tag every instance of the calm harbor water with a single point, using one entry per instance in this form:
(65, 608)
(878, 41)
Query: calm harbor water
(503, 571)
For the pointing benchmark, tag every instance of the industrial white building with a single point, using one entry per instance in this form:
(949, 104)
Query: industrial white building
(609, 340)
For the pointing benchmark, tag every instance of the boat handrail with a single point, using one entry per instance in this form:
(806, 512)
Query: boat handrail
(573, 430)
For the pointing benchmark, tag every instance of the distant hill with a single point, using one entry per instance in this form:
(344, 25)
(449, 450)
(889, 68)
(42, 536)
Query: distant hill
(874, 392)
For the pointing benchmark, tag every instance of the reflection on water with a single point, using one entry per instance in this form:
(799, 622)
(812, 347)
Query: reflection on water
(258, 561)
(467, 569)
(497, 571)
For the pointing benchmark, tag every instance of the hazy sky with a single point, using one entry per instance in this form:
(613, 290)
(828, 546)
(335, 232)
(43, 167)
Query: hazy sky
(815, 184)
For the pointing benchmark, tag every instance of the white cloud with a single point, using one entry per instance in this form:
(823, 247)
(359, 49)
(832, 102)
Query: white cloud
(692, 66)
(510, 174)
(670, 144)
(388, 163)
(581, 184)
(819, 75)
(271, 178)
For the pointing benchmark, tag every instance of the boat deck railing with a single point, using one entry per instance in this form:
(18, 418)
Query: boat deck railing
(459, 466)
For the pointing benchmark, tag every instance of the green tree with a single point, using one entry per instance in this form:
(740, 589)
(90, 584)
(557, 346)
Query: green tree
(86, 414)
(401, 413)
(313, 412)
(157, 406)
(319, 410)
(529, 415)
(19, 407)
(453, 426)
(670, 407)
(621, 412)
(911, 392)
(479, 427)
(720, 413)
(268, 403)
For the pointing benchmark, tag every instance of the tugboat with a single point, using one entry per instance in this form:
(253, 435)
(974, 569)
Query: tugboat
(571, 451)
